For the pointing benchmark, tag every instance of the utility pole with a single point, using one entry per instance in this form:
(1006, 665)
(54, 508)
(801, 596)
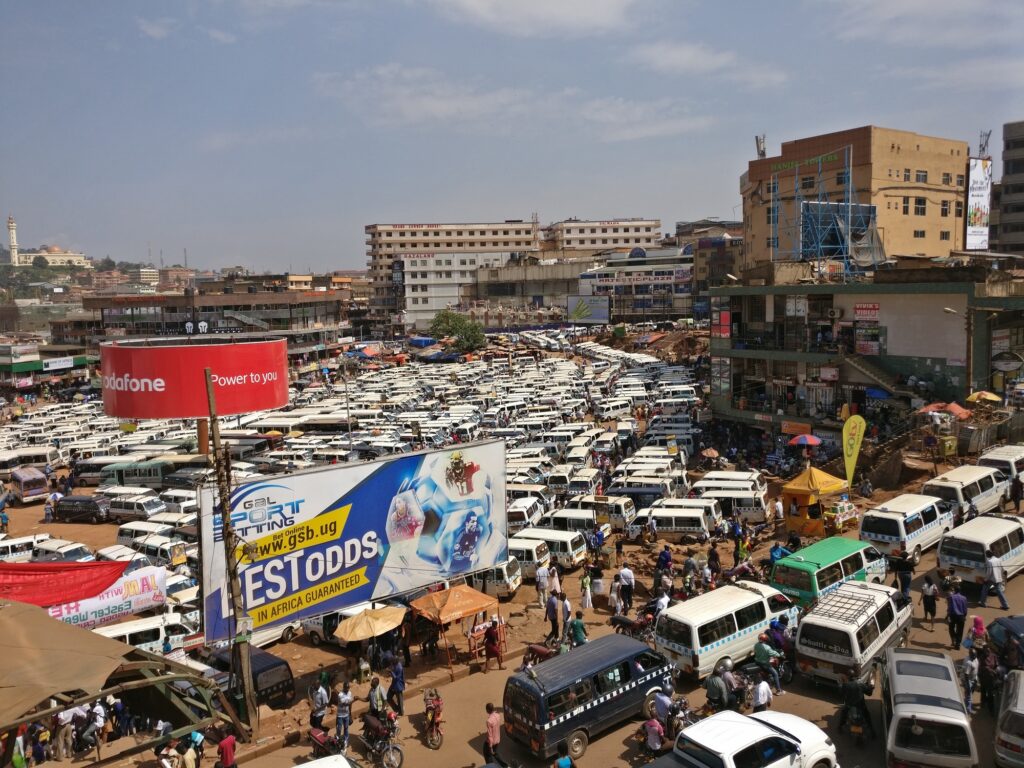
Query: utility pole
(241, 661)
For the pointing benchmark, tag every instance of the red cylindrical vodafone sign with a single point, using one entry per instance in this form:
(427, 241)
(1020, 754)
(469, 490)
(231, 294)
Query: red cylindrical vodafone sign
(155, 379)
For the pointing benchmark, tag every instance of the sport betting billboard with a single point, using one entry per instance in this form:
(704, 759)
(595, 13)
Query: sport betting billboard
(979, 199)
(587, 309)
(319, 541)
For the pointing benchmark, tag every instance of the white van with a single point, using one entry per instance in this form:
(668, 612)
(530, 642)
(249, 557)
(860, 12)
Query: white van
(567, 548)
(584, 482)
(616, 511)
(523, 490)
(180, 500)
(909, 522)
(963, 549)
(746, 506)
(61, 550)
(984, 487)
(119, 553)
(579, 458)
(675, 525)
(162, 550)
(702, 632)
(754, 477)
(176, 519)
(848, 629)
(19, 550)
(1008, 459)
(558, 479)
(524, 512)
(1009, 730)
(129, 532)
(135, 508)
(116, 491)
(924, 721)
(531, 554)
(149, 634)
(615, 408)
(501, 581)
(582, 520)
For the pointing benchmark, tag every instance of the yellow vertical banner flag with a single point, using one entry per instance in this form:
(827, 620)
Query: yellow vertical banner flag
(853, 435)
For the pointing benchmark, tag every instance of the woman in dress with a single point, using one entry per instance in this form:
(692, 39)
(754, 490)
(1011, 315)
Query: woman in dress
(553, 581)
(614, 601)
(929, 599)
(586, 600)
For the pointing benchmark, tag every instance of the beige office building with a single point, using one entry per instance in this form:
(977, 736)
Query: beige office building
(915, 183)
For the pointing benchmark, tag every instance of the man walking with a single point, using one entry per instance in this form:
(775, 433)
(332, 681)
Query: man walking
(493, 736)
(551, 615)
(995, 579)
(566, 615)
(396, 691)
(956, 615)
(1016, 493)
(541, 579)
(628, 581)
(318, 706)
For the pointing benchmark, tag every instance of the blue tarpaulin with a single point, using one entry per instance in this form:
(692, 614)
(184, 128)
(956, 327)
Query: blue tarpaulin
(422, 341)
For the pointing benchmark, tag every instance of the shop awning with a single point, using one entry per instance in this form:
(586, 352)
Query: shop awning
(814, 481)
(453, 604)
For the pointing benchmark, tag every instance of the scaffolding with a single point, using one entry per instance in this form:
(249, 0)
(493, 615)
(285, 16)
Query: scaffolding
(833, 231)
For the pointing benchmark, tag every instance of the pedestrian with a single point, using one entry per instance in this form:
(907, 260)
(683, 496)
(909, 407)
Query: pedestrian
(619, 546)
(586, 599)
(1016, 493)
(904, 567)
(492, 645)
(563, 761)
(343, 703)
(375, 698)
(318, 702)
(780, 515)
(19, 758)
(628, 581)
(614, 603)
(94, 730)
(977, 635)
(995, 580)
(652, 527)
(969, 670)
(577, 630)
(762, 693)
(988, 675)
(553, 579)
(66, 732)
(541, 580)
(956, 615)
(396, 691)
(566, 614)
(492, 736)
(226, 749)
(551, 615)
(714, 560)
(166, 647)
(929, 600)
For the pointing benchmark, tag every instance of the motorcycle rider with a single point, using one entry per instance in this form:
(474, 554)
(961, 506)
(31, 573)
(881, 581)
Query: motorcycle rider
(732, 684)
(663, 710)
(763, 655)
(853, 698)
(718, 691)
(778, 636)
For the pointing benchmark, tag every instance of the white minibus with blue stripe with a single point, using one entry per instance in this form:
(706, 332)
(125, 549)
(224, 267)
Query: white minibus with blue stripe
(701, 633)
(910, 522)
(963, 549)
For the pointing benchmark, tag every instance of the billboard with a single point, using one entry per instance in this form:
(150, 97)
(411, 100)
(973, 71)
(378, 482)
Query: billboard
(979, 198)
(587, 309)
(322, 540)
(142, 589)
(166, 381)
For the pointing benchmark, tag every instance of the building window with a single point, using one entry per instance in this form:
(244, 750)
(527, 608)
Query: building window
(947, 179)
(906, 206)
(944, 234)
(959, 209)
(771, 187)
(842, 178)
(771, 242)
(944, 208)
(906, 174)
(921, 177)
(918, 234)
(959, 179)
(806, 182)
(772, 214)
(920, 206)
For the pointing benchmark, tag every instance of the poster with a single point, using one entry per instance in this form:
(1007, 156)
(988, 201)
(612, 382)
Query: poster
(979, 199)
(587, 309)
(866, 312)
(853, 436)
(140, 590)
(319, 541)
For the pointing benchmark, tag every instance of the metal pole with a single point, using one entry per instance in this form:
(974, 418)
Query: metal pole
(232, 551)
(969, 312)
(348, 405)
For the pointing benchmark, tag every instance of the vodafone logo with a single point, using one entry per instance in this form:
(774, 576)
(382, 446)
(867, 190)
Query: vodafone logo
(128, 383)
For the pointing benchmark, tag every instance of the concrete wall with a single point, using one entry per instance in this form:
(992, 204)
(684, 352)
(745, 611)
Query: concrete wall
(914, 325)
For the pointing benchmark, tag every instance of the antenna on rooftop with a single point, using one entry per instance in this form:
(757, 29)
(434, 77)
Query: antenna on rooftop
(759, 142)
(983, 143)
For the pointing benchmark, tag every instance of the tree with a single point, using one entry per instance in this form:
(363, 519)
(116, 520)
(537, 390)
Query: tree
(106, 265)
(468, 335)
(41, 262)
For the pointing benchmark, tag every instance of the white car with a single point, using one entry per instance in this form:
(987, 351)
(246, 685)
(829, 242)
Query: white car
(764, 739)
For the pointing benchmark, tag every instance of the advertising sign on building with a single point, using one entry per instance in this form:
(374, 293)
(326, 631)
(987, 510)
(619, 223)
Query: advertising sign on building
(587, 309)
(18, 353)
(796, 306)
(866, 312)
(58, 363)
(979, 199)
(140, 590)
(1001, 340)
(319, 541)
(167, 381)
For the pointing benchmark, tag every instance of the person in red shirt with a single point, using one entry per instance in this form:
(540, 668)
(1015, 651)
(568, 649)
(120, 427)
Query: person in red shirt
(226, 749)
(493, 737)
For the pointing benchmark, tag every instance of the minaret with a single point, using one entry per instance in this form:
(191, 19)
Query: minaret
(12, 231)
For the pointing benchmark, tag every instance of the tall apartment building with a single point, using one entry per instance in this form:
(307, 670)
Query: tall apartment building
(440, 281)
(906, 194)
(390, 245)
(144, 275)
(1011, 199)
(578, 235)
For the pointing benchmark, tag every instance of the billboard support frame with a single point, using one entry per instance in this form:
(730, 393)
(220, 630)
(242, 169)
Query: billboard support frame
(240, 648)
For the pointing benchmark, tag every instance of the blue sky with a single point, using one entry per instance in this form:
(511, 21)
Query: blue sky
(269, 132)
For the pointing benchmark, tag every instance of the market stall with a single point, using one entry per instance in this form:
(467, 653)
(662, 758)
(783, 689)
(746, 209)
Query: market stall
(458, 604)
(810, 490)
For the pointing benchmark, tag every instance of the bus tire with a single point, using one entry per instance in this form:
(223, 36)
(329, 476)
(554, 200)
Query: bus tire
(287, 635)
(917, 555)
(314, 638)
(577, 743)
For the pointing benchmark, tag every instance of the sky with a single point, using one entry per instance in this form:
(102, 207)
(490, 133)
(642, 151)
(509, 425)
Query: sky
(268, 133)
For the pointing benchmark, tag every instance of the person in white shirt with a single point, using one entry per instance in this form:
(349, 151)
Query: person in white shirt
(661, 603)
(66, 731)
(541, 578)
(628, 581)
(762, 694)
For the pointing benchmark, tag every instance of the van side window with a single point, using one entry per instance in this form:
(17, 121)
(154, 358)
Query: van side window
(675, 632)
(576, 695)
(751, 615)
(867, 634)
(930, 514)
(1000, 546)
(1015, 538)
(986, 483)
(829, 575)
(779, 603)
(913, 524)
(970, 491)
(612, 678)
(716, 629)
(792, 577)
(144, 636)
(851, 565)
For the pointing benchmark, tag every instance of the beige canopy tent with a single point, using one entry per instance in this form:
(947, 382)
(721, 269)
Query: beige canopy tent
(454, 604)
(373, 622)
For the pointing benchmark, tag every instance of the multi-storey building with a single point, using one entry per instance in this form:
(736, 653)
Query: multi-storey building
(874, 189)
(578, 235)
(714, 260)
(175, 278)
(433, 282)
(1011, 195)
(144, 275)
(644, 285)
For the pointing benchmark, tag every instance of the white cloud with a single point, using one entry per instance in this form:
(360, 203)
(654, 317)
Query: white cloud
(931, 23)
(669, 57)
(980, 74)
(157, 29)
(394, 95)
(541, 18)
(227, 141)
(219, 35)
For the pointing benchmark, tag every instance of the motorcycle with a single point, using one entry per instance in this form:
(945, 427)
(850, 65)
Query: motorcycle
(744, 571)
(641, 628)
(680, 716)
(752, 669)
(324, 745)
(380, 737)
(434, 706)
(855, 724)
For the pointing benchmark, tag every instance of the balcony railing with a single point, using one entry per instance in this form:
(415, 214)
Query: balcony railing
(769, 343)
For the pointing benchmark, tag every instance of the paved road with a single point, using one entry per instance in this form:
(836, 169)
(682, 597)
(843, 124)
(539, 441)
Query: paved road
(465, 700)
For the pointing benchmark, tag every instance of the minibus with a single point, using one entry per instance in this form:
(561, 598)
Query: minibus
(558, 479)
(984, 487)
(1008, 459)
(61, 550)
(28, 485)
(180, 500)
(1009, 722)
(616, 511)
(521, 490)
(745, 506)
(702, 632)
(963, 549)
(582, 520)
(531, 555)
(522, 513)
(19, 550)
(572, 698)
(584, 482)
(114, 491)
(501, 581)
(822, 566)
(755, 478)
(40, 456)
(644, 490)
(90, 471)
(161, 550)
(149, 634)
(567, 548)
(909, 522)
